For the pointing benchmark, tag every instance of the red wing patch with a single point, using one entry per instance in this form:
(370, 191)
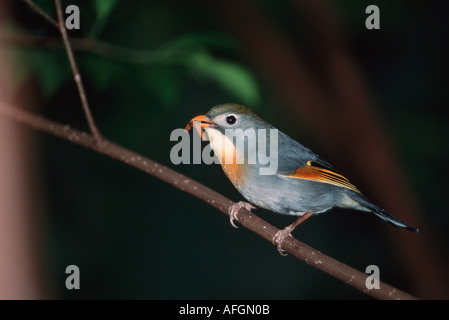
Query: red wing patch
(310, 172)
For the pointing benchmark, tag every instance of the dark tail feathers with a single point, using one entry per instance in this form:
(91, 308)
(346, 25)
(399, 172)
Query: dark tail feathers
(381, 213)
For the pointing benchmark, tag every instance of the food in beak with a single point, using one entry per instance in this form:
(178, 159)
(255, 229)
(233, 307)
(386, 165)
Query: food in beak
(204, 122)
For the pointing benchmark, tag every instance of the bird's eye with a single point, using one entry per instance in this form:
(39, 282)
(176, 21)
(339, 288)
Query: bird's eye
(231, 119)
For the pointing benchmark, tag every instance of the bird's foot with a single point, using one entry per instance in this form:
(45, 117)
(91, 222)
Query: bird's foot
(279, 238)
(235, 208)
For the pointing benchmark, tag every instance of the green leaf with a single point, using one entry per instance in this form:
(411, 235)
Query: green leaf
(175, 51)
(231, 76)
(194, 41)
(103, 9)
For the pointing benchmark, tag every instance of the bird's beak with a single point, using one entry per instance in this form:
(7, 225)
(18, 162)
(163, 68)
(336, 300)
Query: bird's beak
(204, 122)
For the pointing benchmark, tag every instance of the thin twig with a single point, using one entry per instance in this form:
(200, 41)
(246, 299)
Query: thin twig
(77, 76)
(248, 219)
(38, 10)
(89, 45)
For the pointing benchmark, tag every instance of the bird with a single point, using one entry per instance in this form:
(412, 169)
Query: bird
(303, 184)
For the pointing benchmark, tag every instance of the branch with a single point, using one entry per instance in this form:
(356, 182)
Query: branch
(60, 25)
(36, 8)
(89, 45)
(248, 219)
(76, 75)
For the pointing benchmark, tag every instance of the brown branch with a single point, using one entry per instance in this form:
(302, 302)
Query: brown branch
(36, 8)
(76, 75)
(60, 25)
(248, 219)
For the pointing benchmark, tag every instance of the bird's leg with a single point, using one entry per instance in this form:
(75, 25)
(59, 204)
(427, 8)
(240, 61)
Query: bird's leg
(235, 208)
(280, 236)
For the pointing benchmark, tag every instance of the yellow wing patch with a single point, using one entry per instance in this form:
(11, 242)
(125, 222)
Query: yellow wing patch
(310, 172)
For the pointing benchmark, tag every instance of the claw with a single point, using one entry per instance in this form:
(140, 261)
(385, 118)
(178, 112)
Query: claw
(279, 238)
(235, 208)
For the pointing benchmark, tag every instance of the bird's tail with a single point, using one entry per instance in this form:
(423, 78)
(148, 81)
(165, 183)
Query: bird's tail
(381, 213)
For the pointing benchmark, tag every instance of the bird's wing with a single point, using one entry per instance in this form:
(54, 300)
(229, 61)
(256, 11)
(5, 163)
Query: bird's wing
(320, 172)
(315, 172)
(299, 162)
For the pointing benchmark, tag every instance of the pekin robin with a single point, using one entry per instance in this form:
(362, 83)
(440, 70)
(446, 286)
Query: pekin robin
(302, 183)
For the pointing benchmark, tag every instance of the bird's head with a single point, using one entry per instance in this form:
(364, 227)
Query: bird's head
(226, 124)
(228, 116)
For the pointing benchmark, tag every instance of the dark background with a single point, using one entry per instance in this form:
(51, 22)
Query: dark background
(135, 237)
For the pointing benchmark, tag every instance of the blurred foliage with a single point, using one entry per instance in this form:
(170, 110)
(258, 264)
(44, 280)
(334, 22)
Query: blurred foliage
(191, 53)
(135, 237)
(103, 10)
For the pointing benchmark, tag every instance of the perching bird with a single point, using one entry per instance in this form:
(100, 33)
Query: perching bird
(304, 184)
